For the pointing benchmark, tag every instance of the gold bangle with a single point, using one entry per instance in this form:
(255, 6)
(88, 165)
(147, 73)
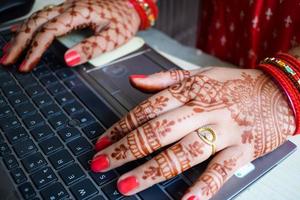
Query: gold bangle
(208, 136)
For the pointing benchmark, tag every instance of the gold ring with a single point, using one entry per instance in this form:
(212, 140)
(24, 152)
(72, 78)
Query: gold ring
(208, 136)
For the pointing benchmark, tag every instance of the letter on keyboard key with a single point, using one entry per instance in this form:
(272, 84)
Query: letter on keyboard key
(67, 134)
(59, 121)
(54, 192)
(33, 121)
(93, 131)
(61, 159)
(102, 178)
(34, 90)
(18, 175)
(86, 159)
(111, 191)
(25, 109)
(84, 189)
(16, 134)
(4, 149)
(71, 174)
(56, 88)
(79, 146)
(41, 133)
(50, 110)
(51, 145)
(73, 107)
(9, 122)
(27, 191)
(5, 111)
(43, 177)
(42, 100)
(10, 161)
(24, 148)
(34, 162)
(84, 118)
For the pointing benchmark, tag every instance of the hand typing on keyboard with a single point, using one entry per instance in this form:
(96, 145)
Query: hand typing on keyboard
(113, 24)
(239, 114)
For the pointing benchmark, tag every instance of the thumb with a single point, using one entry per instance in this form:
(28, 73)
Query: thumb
(161, 80)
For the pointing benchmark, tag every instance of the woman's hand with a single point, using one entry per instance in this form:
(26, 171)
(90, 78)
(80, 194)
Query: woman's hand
(113, 23)
(246, 110)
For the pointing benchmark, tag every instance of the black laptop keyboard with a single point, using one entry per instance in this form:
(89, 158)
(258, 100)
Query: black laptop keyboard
(49, 120)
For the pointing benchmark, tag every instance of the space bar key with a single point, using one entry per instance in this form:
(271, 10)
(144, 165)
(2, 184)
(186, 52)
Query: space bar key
(97, 106)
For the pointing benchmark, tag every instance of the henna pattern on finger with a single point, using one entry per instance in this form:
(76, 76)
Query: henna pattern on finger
(145, 111)
(256, 104)
(146, 140)
(173, 161)
(120, 152)
(216, 175)
(179, 75)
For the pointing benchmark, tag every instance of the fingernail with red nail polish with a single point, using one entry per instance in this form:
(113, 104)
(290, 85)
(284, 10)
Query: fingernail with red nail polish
(128, 184)
(3, 58)
(137, 76)
(72, 58)
(6, 47)
(102, 143)
(193, 198)
(100, 163)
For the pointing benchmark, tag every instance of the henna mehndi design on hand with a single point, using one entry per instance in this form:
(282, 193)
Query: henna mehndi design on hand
(255, 104)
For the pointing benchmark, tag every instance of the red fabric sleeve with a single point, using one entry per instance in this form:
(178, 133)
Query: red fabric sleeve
(245, 32)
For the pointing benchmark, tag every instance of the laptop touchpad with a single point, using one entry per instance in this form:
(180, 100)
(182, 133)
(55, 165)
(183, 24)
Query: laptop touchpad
(114, 78)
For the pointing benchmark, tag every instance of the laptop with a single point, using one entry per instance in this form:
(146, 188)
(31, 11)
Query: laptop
(50, 119)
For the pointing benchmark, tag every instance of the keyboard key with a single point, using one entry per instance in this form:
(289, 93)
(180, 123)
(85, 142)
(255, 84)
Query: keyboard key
(153, 192)
(34, 162)
(85, 159)
(67, 134)
(50, 110)
(102, 178)
(127, 167)
(93, 131)
(33, 121)
(4, 149)
(79, 146)
(24, 148)
(64, 98)
(34, 90)
(130, 198)
(28, 82)
(61, 159)
(11, 89)
(84, 118)
(55, 192)
(27, 191)
(18, 99)
(48, 80)
(5, 111)
(9, 122)
(177, 189)
(10, 161)
(22, 76)
(41, 71)
(42, 100)
(84, 190)
(65, 73)
(73, 82)
(6, 80)
(111, 191)
(43, 177)
(25, 109)
(16, 134)
(71, 174)
(73, 107)
(18, 175)
(42, 132)
(51, 145)
(59, 121)
(56, 88)
(106, 116)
